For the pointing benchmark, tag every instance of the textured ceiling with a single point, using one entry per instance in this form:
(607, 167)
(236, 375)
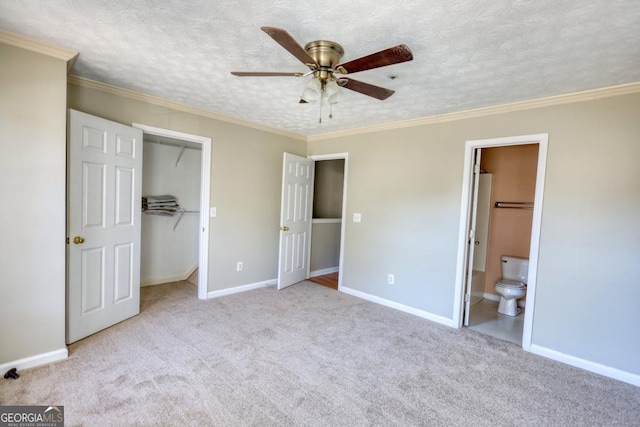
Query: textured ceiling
(467, 53)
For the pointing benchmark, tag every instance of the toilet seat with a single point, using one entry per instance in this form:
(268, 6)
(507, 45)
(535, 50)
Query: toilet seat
(510, 284)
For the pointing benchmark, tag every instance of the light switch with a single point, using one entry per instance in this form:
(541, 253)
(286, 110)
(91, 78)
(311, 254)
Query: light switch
(212, 212)
(357, 217)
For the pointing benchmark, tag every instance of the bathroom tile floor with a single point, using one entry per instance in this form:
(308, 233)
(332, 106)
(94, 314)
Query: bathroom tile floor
(484, 318)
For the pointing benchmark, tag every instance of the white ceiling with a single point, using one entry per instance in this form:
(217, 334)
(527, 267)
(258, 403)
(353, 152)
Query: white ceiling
(467, 53)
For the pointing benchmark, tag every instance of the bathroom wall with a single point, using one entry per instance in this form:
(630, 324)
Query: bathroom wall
(169, 255)
(514, 180)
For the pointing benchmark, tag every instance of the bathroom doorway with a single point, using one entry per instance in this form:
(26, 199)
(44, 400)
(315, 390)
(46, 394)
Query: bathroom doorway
(503, 219)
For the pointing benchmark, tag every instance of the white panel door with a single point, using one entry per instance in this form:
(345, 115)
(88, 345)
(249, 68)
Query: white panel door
(472, 234)
(295, 220)
(103, 224)
(485, 181)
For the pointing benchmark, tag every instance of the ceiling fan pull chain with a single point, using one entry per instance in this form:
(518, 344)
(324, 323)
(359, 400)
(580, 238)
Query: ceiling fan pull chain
(331, 111)
(320, 117)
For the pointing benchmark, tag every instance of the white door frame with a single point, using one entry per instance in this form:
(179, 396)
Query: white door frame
(542, 139)
(205, 189)
(345, 157)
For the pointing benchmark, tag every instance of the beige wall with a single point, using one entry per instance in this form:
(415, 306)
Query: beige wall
(246, 181)
(32, 185)
(329, 183)
(514, 180)
(325, 246)
(407, 183)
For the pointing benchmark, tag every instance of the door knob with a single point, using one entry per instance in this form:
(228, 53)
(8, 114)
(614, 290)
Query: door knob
(78, 240)
(284, 228)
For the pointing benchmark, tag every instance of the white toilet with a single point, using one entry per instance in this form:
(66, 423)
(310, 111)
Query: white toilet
(513, 284)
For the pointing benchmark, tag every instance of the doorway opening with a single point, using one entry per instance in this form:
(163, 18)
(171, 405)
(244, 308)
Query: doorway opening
(191, 220)
(489, 227)
(328, 224)
(297, 219)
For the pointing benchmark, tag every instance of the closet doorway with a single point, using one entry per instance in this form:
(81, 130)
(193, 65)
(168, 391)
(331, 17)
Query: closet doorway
(329, 207)
(185, 158)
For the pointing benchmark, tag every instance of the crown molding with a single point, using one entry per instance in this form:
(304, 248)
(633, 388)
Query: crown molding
(13, 39)
(140, 96)
(587, 95)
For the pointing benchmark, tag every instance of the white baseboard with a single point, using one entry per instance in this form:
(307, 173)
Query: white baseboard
(607, 371)
(398, 306)
(169, 279)
(37, 360)
(324, 271)
(243, 288)
(493, 297)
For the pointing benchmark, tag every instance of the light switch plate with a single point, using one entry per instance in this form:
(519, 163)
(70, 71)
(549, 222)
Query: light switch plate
(357, 217)
(212, 212)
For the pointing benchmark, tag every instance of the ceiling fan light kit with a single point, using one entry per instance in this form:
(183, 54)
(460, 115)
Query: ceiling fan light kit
(322, 58)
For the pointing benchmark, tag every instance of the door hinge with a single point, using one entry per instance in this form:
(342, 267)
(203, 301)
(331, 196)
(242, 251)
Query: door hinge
(67, 240)
(467, 298)
(476, 168)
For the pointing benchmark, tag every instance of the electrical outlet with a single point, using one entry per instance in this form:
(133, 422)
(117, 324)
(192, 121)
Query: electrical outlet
(357, 217)
(239, 266)
(391, 279)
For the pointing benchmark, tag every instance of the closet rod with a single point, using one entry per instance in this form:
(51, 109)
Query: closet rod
(514, 205)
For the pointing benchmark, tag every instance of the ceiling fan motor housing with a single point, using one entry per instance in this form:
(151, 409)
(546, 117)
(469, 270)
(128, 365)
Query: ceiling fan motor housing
(327, 54)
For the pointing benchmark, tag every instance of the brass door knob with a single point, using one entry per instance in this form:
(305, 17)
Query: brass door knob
(78, 240)
(284, 228)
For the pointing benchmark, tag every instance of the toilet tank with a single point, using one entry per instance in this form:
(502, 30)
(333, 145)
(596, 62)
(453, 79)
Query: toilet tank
(514, 268)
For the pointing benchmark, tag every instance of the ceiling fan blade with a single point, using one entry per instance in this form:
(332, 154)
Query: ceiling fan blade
(367, 89)
(285, 40)
(265, 74)
(393, 55)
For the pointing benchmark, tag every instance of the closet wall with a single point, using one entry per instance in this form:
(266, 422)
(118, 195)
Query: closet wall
(169, 254)
(327, 216)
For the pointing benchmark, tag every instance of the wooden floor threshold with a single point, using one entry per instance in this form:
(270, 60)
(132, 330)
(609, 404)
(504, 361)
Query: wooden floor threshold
(329, 280)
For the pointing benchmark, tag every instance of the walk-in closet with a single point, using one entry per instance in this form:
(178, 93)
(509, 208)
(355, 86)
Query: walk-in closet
(170, 219)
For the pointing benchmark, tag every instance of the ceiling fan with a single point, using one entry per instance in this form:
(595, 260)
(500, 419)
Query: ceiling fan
(322, 56)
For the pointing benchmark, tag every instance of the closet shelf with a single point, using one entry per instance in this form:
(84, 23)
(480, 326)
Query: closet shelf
(164, 206)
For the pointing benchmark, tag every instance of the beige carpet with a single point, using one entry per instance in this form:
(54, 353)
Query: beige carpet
(309, 355)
